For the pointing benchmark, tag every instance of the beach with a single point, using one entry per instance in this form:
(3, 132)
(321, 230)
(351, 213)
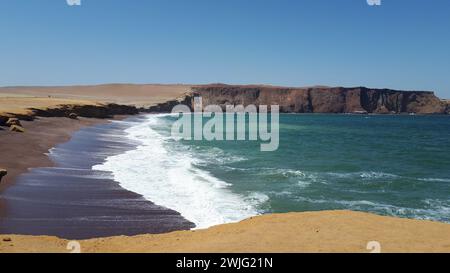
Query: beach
(65, 179)
(44, 133)
(70, 200)
(27, 208)
(29, 150)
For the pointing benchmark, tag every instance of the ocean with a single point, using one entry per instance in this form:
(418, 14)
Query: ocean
(397, 165)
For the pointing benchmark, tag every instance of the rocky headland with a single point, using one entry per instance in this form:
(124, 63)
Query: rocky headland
(358, 100)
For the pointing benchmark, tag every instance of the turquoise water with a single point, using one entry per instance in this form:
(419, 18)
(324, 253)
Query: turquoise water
(390, 165)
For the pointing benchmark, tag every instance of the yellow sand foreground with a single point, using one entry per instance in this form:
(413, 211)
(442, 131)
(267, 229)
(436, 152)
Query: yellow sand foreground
(326, 231)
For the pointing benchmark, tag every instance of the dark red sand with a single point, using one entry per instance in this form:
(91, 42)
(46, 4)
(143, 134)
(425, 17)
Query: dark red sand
(20, 151)
(61, 195)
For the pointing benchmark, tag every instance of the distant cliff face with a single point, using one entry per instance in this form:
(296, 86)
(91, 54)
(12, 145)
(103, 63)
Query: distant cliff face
(320, 99)
(447, 108)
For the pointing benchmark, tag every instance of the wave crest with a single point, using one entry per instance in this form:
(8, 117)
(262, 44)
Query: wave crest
(168, 178)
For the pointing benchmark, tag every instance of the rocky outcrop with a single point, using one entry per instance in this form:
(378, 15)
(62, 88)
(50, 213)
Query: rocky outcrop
(88, 111)
(316, 99)
(167, 107)
(3, 120)
(13, 121)
(447, 106)
(3, 173)
(73, 116)
(5, 117)
(69, 111)
(17, 128)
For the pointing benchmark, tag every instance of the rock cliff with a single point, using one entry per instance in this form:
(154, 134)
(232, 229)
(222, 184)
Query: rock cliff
(89, 111)
(316, 99)
(324, 99)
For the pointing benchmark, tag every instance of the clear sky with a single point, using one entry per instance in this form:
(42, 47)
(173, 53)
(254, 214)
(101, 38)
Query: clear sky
(402, 44)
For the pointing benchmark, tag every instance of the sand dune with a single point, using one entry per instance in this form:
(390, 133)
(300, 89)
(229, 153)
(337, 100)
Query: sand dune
(130, 94)
(327, 231)
(21, 105)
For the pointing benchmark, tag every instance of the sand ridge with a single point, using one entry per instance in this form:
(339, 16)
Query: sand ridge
(22, 105)
(139, 95)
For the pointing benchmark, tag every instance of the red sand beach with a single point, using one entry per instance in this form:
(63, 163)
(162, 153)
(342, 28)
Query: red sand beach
(328, 231)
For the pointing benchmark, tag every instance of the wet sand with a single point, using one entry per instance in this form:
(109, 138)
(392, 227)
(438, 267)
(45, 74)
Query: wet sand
(22, 151)
(42, 196)
(61, 195)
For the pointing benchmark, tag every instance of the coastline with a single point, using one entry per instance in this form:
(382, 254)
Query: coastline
(292, 232)
(224, 136)
(322, 232)
(63, 196)
(29, 150)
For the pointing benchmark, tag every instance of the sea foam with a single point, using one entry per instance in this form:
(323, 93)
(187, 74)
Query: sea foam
(168, 178)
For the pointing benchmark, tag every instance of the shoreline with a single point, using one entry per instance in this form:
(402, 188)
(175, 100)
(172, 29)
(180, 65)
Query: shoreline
(63, 196)
(29, 150)
(57, 130)
(305, 232)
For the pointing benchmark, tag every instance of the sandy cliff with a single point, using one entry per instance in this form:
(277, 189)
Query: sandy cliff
(140, 95)
(89, 101)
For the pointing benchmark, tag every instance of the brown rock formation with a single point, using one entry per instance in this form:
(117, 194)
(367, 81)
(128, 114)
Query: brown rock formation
(3, 173)
(73, 116)
(71, 111)
(317, 99)
(447, 106)
(166, 107)
(17, 128)
(13, 121)
(88, 111)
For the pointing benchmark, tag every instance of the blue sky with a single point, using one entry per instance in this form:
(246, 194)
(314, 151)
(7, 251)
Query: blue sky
(402, 44)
